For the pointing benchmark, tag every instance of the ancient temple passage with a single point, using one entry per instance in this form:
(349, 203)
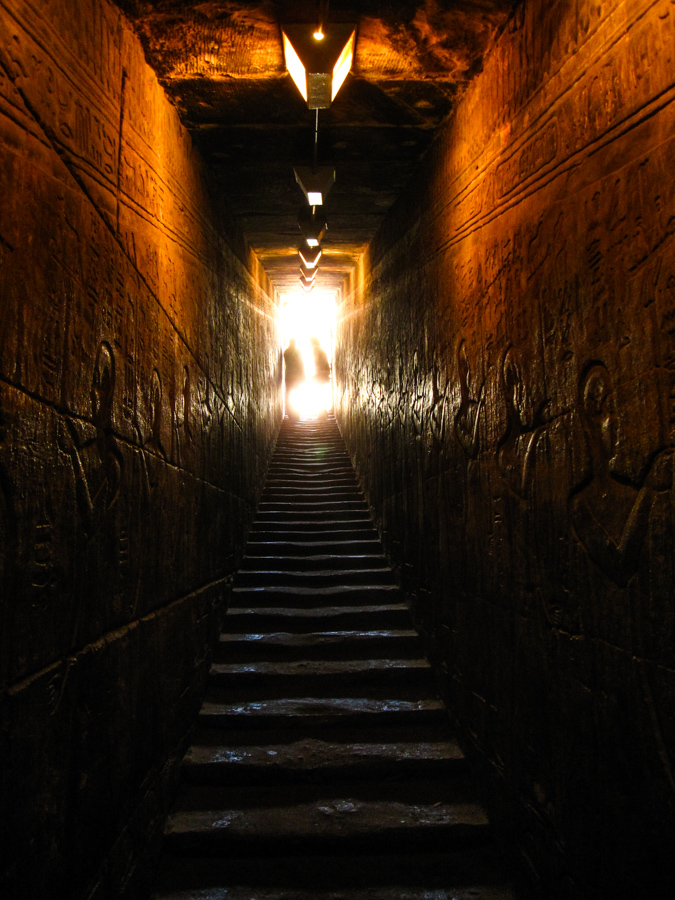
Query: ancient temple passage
(323, 763)
(424, 250)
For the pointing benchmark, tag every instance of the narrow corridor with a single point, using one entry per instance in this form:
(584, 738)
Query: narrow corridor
(323, 765)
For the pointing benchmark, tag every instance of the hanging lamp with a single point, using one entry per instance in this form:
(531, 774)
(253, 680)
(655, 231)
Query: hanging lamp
(310, 256)
(315, 182)
(319, 61)
(312, 224)
(308, 274)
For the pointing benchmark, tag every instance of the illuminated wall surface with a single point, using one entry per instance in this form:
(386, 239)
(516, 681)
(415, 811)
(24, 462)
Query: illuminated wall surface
(139, 391)
(506, 383)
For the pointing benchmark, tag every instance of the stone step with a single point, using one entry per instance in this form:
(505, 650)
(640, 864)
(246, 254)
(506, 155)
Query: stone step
(309, 472)
(315, 578)
(312, 506)
(242, 620)
(319, 478)
(335, 562)
(305, 466)
(315, 531)
(314, 597)
(340, 825)
(392, 644)
(318, 483)
(310, 442)
(312, 760)
(265, 680)
(308, 517)
(343, 713)
(301, 493)
(326, 455)
(259, 548)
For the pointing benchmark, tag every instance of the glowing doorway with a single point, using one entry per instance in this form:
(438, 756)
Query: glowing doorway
(304, 317)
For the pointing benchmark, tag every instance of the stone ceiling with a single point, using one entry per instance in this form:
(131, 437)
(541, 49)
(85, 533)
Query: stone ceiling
(221, 62)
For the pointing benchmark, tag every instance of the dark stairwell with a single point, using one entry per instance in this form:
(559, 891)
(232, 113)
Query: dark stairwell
(501, 255)
(323, 764)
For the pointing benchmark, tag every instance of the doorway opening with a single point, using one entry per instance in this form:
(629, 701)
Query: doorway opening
(310, 319)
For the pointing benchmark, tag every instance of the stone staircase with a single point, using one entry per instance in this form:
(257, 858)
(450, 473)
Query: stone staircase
(323, 765)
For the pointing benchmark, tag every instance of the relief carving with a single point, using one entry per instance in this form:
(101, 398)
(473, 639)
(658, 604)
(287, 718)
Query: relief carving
(96, 460)
(467, 418)
(514, 456)
(610, 517)
(42, 568)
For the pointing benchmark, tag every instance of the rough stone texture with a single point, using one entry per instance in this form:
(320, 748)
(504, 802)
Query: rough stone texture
(506, 377)
(139, 400)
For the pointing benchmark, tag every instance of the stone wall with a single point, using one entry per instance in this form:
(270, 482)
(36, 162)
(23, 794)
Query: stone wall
(139, 402)
(506, 384)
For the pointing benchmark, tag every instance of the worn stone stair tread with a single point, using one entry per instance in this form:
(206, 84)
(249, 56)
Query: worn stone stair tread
(477, 892)
(356, 503)
(292, 460)
(313, 618)
(316, 497)
(316, 668)
(310, 757)
(324, 591)
(352, 547)
(292, 711)
(313, 482)
(294, 510)
(313, 488)
(362, 524)
(317, 534)
(376, 560)
(292, 678)
(347, 821)
(310, 469)
(318, 639)
(308, 519)
(317, 578)
(365, 644)
(316, 612)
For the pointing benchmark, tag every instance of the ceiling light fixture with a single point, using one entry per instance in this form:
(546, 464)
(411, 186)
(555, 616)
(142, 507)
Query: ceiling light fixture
(310, 256)
(319, 65)
(308, 274)
(312, 224)
(308, 286)
(315, 182)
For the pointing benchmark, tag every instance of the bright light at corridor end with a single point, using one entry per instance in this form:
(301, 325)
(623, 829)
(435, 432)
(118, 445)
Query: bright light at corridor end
(305, 317)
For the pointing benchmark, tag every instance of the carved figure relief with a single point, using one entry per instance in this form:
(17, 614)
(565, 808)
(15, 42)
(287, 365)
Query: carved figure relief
(98, 469)
(154, 441)
(96, 460)
(515, 451)
(439, 402)
(611, 518)
(467, 418)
